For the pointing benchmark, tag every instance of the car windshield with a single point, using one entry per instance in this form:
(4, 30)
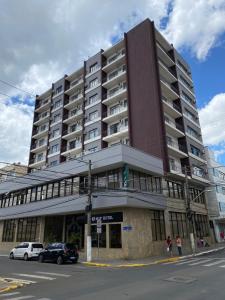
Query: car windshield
(37, 246)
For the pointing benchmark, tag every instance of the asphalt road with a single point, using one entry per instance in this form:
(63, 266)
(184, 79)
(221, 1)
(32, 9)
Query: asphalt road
(200, 278)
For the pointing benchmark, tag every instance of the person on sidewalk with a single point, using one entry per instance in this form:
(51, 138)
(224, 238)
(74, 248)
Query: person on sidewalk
(222, 236)
(179, 245)
(169, 245)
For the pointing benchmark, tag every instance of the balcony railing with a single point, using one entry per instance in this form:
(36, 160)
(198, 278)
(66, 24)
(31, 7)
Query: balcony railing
(115, 92)
(173, 73)
(177, 146)
(172, 104)
(173, 124)
(43, 103)
(169, 85)
(71, 130)
(114, 58)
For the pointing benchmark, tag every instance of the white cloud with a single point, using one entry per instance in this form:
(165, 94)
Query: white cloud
(212, 119)
(196, 25)
(15, 131)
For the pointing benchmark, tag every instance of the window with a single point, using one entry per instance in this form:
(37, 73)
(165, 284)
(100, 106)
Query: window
(27, 230)
(114, 109)
(175, 190)
(93, 133)
(195, 151)
(40, 157)
(190, 115)
(192, 132)
(55, 133)
(93, 67)
(178, 224)
(41, 142)
(187, 98)
(56, 118)
(93, 82)
(201, 225)
(58, 90)
(54, 148)
(57, 104)
(98, 238)
(158, 225)
(9, 231)
(115, 236)
(198, 171)
(126, 122)
(93, 115)
(43, 127)
(93, 99)
(53, 163)
(114, 128)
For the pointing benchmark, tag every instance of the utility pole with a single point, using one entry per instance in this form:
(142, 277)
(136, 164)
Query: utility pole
(189, 212)
(88, 209)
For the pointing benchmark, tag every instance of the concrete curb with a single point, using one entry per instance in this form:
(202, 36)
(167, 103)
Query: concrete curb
(160, 261)
(95, 264)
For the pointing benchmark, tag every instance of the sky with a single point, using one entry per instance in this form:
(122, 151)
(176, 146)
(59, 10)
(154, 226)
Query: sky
(49, 38)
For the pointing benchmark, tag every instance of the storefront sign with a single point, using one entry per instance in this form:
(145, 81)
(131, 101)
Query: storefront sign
(107, 218)
(127, 228)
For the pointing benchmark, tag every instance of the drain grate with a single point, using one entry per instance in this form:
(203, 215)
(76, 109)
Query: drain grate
(181, 279)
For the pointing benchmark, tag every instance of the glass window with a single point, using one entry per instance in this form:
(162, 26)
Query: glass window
(93, 82)
(57, 104)
(93, 99)
(93, 67)
(195, 151)
(56, 118)
(93, 133)
(9, 231)
(93, 115)
(40, 156)
(178, 224)
(115, 236)
(158, 225)
(27, 230)
(54, 148)
(101, 236)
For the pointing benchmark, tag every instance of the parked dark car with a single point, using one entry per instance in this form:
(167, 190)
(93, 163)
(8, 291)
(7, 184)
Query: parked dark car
(59, 253)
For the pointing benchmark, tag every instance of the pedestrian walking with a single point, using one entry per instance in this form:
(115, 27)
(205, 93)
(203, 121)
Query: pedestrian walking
(169, 245)
(179, 245)
(222, 236)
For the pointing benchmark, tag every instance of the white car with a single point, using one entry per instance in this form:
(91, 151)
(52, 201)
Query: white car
(26, 250)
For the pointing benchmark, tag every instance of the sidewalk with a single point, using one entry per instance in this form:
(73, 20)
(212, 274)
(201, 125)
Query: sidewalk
(152, 260)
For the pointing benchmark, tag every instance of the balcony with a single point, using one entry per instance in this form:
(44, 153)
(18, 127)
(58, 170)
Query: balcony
(117, 94)
(190, 105)
(72, 133)
(166, 73)
(168, 91)
(119, 113)
(73, 101)
(195, 138)
(73, 117)
(40, 133)
(114, 61)
(174, 149)
(36, 163)
(75, 85)
(187, 88)
(43, 105)
(41, 119)
(164, 56)
(72, 150)
(92, 87)
(198, 158)
(184, 72)
(115, 78)
(118, 133)
(37, 147)
(173, 128)
(194, 121)
(171, 108)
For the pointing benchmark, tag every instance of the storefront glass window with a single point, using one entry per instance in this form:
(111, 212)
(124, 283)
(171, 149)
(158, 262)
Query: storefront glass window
(115, 236)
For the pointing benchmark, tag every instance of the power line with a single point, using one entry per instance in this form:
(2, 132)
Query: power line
(15, 87)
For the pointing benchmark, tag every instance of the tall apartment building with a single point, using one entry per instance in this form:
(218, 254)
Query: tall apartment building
(131, 110)
(138, 92)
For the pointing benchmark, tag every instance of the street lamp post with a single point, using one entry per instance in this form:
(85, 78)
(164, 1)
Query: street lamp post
(88, 209)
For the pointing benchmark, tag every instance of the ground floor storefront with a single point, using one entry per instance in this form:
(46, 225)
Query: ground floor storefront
(125, 233)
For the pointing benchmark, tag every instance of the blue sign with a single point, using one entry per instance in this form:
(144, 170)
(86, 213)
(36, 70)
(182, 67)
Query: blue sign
(127, 228)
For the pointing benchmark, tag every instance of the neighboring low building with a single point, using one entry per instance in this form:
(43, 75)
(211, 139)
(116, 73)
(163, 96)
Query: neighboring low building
(12, 170)
(216, 196)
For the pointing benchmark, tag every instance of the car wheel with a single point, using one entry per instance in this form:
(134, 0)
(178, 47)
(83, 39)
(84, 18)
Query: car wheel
(11, 256)
(41, 259)
(59, 260)
(26, 257)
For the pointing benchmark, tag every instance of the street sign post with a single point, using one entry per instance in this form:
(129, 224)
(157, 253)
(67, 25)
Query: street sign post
(99, 231)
